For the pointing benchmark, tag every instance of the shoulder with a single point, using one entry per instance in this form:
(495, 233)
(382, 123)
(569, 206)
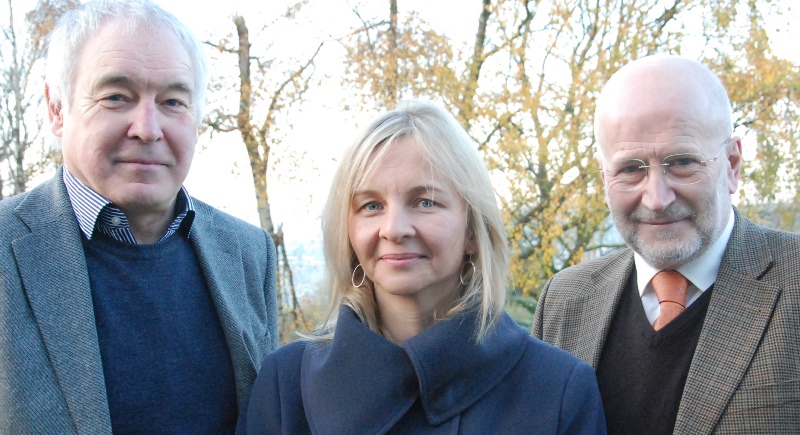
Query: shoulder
(8, 217)
(753, 244)
(561, 389)
(550, 360)
(206, 212)
(275, 404)
(41, 206)
(215, 223)
(596, 265)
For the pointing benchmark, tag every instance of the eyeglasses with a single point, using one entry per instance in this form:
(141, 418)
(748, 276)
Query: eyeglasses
(681, 169)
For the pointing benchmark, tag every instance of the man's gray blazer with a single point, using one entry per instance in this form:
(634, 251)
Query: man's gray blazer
(51, 376)
(745, 374)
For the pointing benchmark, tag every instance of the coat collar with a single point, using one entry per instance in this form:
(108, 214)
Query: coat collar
(362, 373)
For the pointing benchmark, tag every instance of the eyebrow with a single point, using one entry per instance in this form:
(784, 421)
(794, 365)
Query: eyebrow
(125, 80)
(417, 190)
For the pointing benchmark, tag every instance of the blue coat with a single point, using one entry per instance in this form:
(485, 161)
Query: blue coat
(440, 381)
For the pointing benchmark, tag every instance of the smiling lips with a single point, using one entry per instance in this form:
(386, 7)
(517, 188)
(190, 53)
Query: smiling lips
(142, 162)
(400, 259)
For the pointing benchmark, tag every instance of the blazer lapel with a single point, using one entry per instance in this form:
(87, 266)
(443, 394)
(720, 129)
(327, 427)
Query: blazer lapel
(737, 318)
(52, 267)
(219, 254)
(594, 309)
(611, 282)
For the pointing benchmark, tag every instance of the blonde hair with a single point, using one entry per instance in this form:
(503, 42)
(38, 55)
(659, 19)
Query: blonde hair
(448, 150)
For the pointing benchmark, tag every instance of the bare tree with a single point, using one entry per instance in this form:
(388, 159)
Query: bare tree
(21, 53)
(266, 94)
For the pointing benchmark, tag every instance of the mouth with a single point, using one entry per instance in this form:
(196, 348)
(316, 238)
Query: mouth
(142, 163)
(662, 222)
(403, 259)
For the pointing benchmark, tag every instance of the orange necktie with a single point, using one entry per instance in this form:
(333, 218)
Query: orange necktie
(670, 288)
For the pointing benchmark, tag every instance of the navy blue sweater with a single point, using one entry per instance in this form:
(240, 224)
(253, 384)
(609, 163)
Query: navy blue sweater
(165, 359)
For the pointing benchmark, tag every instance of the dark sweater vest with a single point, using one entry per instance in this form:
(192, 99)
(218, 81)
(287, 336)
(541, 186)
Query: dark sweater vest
(642, 372)
(165, 359)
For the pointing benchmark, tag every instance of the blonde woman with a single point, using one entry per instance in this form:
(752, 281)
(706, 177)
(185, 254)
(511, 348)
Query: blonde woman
(416, 339)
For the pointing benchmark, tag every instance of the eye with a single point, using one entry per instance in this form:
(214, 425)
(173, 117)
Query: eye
(115, 98)
(426, 203)
(682, 160)
(371, 206)
(629, 168)
(172, 102)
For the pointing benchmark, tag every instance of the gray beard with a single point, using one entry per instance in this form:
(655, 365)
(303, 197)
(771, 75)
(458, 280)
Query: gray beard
(672, 254)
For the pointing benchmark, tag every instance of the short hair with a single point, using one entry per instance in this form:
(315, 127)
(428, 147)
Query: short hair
(78, 25)
(449, 150)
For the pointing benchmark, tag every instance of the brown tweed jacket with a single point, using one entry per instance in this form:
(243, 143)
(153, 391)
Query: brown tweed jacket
(745, 373)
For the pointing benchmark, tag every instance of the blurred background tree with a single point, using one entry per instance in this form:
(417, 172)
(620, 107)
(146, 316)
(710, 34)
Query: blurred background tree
(22, 49)
(526, 93)
(524, 86)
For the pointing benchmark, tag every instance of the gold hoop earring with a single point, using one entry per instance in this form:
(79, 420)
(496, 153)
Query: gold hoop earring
(461, 276)
(353, 276)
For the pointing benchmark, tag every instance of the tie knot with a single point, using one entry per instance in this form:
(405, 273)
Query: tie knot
(670, 286)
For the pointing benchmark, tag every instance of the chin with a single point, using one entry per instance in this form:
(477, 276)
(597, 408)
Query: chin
(674, 253)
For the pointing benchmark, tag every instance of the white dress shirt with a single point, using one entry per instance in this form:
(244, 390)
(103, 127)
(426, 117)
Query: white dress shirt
(701, 273)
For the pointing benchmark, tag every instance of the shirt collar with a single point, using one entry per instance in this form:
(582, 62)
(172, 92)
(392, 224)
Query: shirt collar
(702, 272)
(91, 208)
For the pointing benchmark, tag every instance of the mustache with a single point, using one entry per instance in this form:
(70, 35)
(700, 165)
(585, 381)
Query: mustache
(673, 212)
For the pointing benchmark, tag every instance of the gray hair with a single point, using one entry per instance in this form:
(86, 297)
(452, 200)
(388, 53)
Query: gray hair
(76, 26)
(449, 151)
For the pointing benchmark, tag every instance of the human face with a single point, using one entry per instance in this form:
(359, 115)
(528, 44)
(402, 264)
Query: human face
(669, 225)
(408, 227)
(130, 129)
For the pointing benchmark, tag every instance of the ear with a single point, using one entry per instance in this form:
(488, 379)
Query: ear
(734, 166)
(54, 113)
(599, 159)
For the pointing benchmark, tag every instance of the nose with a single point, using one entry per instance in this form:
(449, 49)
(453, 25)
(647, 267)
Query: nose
(396, 224)
(657, 193)
(145, 125)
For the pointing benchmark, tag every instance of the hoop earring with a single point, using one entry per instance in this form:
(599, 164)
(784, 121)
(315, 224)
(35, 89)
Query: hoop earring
(461, 276)
(353, 277)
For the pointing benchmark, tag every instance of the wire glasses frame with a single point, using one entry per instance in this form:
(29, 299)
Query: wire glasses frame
(680, 169)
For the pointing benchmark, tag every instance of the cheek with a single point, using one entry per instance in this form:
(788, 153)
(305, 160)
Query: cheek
(619, 203)
(359, 239)
(182, 143)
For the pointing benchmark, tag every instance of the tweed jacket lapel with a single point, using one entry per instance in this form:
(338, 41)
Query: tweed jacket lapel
(220, 257)
(52, 267)
(598, 308)
(737, 317)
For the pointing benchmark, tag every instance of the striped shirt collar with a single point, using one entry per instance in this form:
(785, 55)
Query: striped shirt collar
(93, 211)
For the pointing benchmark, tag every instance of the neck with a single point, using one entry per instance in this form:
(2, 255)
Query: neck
(148, 226)
(403, 317)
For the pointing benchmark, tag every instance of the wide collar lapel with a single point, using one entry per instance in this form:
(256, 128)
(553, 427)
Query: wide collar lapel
(453, 370)
(594, 308)
(53, 270)
(737, 318)
(220, 257)
(358, 374)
